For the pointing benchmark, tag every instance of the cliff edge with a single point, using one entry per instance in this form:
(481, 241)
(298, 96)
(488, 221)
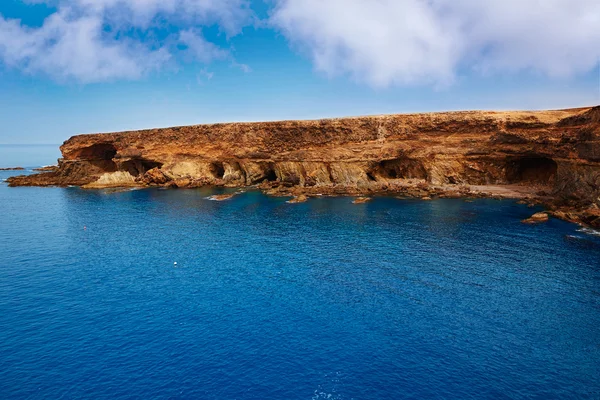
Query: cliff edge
(548, 156)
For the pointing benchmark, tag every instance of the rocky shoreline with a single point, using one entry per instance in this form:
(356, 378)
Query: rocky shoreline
(543, 157)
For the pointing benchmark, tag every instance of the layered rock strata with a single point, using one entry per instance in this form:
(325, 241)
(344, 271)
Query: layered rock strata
(550, 156)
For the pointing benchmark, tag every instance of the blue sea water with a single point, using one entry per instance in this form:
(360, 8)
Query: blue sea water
(391, 299)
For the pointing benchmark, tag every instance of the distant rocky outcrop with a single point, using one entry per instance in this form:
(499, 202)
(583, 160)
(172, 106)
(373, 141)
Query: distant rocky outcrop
(12, 169)
(552, 157)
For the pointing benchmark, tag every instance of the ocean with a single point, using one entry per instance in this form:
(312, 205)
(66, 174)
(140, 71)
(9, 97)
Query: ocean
(165, 294)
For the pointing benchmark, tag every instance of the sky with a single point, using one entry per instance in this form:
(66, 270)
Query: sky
(84, 66)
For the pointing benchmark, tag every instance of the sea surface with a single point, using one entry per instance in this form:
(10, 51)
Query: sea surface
(393, 299)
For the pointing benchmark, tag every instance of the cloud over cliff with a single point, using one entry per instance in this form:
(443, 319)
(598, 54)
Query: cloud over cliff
(385, 42)
(378, 42)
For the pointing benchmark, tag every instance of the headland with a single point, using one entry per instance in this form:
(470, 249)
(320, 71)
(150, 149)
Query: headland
(548, 157)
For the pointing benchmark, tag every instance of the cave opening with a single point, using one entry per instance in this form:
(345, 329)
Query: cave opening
(217, 170)
(137, 167)
(270, 174)
(99, 156)
(401, 168)
(536, 170)
(391, 172)
(101, 151)
(147, 165)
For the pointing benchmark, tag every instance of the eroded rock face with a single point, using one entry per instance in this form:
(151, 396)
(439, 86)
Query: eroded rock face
(556, 152)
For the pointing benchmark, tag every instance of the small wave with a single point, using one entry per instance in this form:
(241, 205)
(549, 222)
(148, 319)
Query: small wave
(324, 395)
(589, 231)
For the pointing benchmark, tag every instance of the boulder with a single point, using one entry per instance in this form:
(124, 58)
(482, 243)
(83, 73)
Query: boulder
(154, 176)
(361, 200)
(536, 218)
(298, 199)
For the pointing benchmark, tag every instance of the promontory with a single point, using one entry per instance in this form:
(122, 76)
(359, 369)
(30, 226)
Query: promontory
(552, 157)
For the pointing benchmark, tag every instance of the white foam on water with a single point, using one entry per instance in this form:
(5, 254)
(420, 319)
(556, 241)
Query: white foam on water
(318, 395)
(589, 231)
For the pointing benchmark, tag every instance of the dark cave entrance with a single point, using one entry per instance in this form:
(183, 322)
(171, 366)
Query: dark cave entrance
(217, 170)
(100, 156)
(137, 166)
(270, 174)
(400, 168)
(266, 172)
(102, 151)
(532, 170)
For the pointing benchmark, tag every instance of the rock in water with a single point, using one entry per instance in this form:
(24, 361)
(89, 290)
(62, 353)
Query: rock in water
(12, 169)
(221, 197)
(361, 200)
(298, 199)
(536, 218)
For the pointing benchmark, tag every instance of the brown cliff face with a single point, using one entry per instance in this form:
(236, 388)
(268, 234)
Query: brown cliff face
(556, 153)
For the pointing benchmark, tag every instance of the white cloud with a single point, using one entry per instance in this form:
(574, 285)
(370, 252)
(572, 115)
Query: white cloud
(386, 42)
(91, 41)
(230, 15)
(199, 48)
(381, 42)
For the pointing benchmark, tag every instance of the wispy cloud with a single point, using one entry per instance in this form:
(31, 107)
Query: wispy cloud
(198, 48)
(91, 41)
(387, 42)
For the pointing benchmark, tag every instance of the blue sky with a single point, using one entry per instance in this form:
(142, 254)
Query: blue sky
(82, 66)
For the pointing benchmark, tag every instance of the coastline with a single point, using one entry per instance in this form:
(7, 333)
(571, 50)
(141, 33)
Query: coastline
(543, 157)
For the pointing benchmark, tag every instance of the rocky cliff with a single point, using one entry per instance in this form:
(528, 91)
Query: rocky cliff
(552, 155)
